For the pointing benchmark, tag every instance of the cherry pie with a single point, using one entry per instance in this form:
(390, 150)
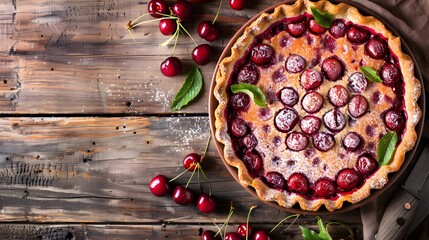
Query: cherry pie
(316, 141)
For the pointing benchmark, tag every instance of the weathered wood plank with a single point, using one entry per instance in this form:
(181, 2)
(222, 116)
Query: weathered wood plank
(98, 169)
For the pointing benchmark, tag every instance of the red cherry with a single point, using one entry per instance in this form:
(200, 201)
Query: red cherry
(275, 180)
(167, 26)
(347, 179)
(209, 235)
(358, 106)
(352, 141)
(182, 9)
(358, 35)
(310, 124)
(171, 67)
(297, 29)
(202, 54)
(333, 68)
(183, 196)
(376, 48)
(366, 165)
(261, 235)
(316, 28)
(237, 4)
(242, 229)
(338, 96)
(232, 236)
(311, 79)
(159, 186)
(262, 54)
(157, 6)
(394, 120)
(296, 141)
(390, 74)
(286, 119)
(206, 203)
(324, 188)
(297, 182)
(207, 31)
(338, 28)
(191, 161)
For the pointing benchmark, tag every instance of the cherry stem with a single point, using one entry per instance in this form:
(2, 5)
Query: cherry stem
(207, 181)
(176, 34)
(149, 21)
(247, 221)
(217, 13)
(218, 229)
(138, 18)
(231, 211)
(184, 29)
(290, 225)
(190, 178)
(206, 147)
(284, 219)
(176, 177)
(199, 182)
(342, 225)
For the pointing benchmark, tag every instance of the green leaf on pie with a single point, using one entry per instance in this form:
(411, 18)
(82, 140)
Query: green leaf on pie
(371, 74)
(386, 148)
(310, 234)
(254, 92)
(190, 89)
(324, 19)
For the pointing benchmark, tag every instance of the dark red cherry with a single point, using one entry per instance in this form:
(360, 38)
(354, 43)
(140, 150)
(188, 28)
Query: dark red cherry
(297, 182)
(253, 161)
(262, 54)
(312, 102)
(358, 106)
(376, 48)
(358, 35)
(324, 188)
(394, 120)
(334, 120)
(202, 54)
(323, 141)
(347, 179)
(297, 29)
(352, 141)
(232, 236)
(310, 124)
(261, 235)
(237, 4)
(357, 82)
(250, 141)
(316, 28)
(390, 74)
(296, 141)
(248, 74)
(311, 79)
(239, 127)
(240, 101)
(167, 26)
(208, 31)
(191, 161)
(275, 180)
(333, 68)
(366, 165)
(206, 203)
(338, 96)
(209, 235)
(243, 228)
(157, 6)
(286, 119)
(329, 43)
(182, 9)
(171, 67)
(289, 96)
(338, 28)
(183, 196)
(159, 186)
(295, 63)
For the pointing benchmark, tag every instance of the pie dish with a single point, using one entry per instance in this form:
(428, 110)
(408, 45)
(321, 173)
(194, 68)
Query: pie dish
(315, 143)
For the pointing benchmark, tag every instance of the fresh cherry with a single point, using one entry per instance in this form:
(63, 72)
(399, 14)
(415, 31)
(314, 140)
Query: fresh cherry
(289, 96)
(261, 235)
(209, 235)
(358, 106)
(333, 68)
(159, 186)
(262, 54)
(366, 165)
(167, 26)
(276, 180)
(347, 179)
(208, 31)
(376, 48)
(352, 141)
(202, 54)
(183, 196)
(297, 29)
(310, 124)
(390, 74)
(242, 230)
(357, 82)
(286, 119)
(206, 203)
(157, 6)
(237, 4)
(312, 102)
(394, 120)
(171, 67)
(296, 141)
(338, 28)
(358, 35)
(311, 79)
(191, 161)
(182, 9)
(323, 141)
(338, 96)
(232, 236)
(324, 188)
(295, 63)
(297, 182)
(316, 28)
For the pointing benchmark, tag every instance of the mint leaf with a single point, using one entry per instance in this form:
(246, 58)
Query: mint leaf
(309, 234)
(254, 92)
(371, 74)
(324, 19)
(386, 148)
(190, 89)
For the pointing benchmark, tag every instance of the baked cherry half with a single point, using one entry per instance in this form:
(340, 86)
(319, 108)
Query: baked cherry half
(262, 54)
(288, 96)
(347, 179)
(239, 101)
(394, 120)
(338, 96)
(338, 28)
(334, 120)
(311, 79)
(253, 162)
(333, 68)
(297, 29)
(297, 182)
(324, 188)
(295, 63)
(390, 74)
(316, 28)
(366, 165)
(357, 82)
(286, 119)
(376, 48)
(310, 124)
(323, 141)
(248, 74)
(358, 35)
(296, 141)
(312, 102)
(352, 141)
(275, 180)
(358, 106)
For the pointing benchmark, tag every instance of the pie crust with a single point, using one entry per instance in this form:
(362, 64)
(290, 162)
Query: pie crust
(379, 178)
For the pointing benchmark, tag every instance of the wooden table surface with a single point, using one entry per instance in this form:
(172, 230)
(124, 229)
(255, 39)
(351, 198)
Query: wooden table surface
(85, 124)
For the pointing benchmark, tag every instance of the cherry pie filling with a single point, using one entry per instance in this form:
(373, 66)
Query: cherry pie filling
(318, 136)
